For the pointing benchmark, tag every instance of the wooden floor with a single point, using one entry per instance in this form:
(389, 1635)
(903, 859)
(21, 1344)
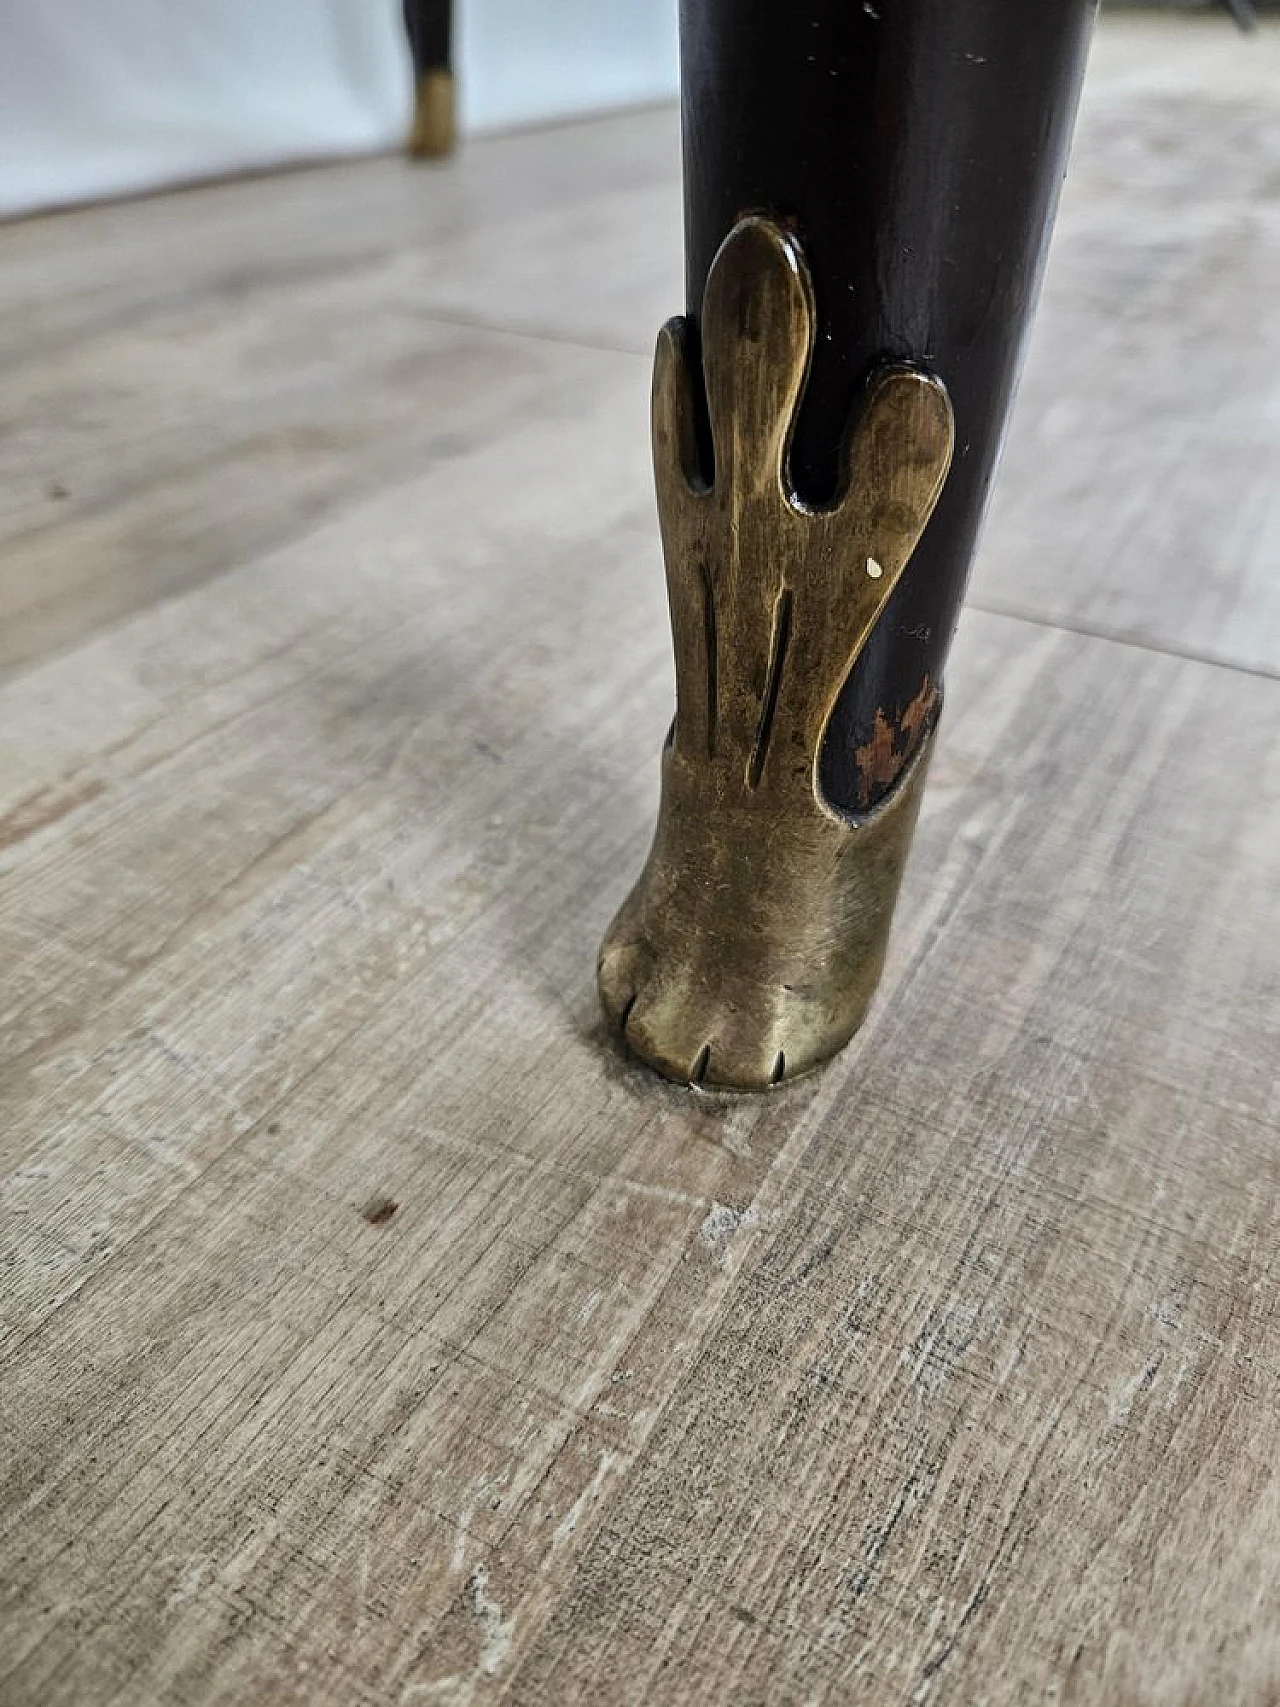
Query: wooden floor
(370, 1331)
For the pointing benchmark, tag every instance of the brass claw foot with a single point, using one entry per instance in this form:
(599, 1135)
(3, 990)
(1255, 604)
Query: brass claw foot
(750, 948)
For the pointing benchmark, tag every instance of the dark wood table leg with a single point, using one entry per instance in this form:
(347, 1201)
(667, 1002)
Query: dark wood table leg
(869, 192)
(428, 24)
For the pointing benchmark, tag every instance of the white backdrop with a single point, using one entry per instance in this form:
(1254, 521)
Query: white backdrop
(100, 97)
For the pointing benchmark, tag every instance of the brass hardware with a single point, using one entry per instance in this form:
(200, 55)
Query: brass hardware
(750, 948)
(432, 134)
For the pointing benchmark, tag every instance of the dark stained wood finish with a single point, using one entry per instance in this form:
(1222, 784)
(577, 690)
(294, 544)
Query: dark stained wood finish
(429, 26)
(917, 149)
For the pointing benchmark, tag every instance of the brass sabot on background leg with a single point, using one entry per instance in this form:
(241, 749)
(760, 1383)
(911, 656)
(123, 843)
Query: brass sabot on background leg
(431, 135)
(751, 946)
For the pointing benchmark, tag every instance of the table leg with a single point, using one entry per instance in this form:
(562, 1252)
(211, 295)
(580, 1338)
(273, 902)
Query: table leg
(869, 192)
(428, 24)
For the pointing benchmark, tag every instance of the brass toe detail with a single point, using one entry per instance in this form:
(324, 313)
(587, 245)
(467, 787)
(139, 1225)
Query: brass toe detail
(745, 956)
(750, 948)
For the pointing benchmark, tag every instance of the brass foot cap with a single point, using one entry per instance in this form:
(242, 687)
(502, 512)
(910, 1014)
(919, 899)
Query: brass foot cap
(751, 947)
(739, 961)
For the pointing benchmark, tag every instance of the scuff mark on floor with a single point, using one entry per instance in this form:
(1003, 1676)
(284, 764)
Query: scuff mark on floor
(720, 1227)
(496, 1631)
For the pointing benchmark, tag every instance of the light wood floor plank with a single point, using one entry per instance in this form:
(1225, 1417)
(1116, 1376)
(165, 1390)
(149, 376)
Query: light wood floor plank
(1138, 496)
(892, 1317)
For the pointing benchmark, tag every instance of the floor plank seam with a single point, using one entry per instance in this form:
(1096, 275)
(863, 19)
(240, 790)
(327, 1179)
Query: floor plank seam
(1116, 637)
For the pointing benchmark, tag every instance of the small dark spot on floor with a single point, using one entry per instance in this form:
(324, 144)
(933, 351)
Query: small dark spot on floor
(379, 1210)
(55, 489)
(273, 1129)
(743, 1614)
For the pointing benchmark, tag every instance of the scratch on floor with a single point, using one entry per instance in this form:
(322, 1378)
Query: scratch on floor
(569, 1522)
(445, 1691)
(1126, 1395)
(191, 1579)
(362, 1587)
(647, 1188)
(936, 1352)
